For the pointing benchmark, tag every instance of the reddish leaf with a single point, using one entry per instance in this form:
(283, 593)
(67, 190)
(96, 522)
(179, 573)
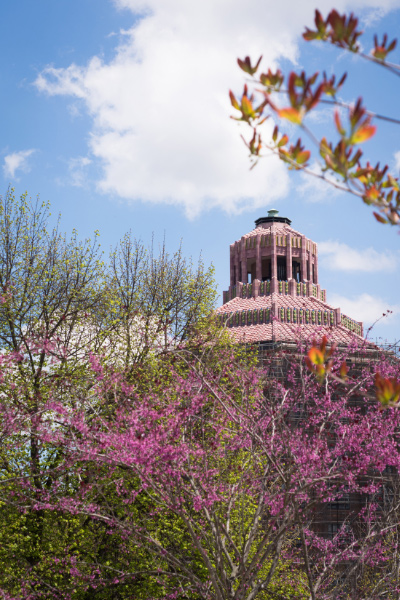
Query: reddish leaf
(372, 194)
(379, 218)
(344, 369)
(315, 356)
(245, 65)
(291, 114)
(387, 390)
(283, 141)
(309, 35)
(338, 123)
(234, 102)
(247, 107)
(303, 157)
(391, 182)
(363, 134)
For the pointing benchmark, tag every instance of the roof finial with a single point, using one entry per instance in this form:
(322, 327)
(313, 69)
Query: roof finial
(273, 212)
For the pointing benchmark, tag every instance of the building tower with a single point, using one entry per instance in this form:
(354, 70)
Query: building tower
(274, 290)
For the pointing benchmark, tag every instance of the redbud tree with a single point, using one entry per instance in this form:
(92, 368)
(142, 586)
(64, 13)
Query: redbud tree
(215, 480)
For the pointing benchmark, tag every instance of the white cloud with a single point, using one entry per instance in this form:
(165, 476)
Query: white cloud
(372, 17)
(17, 161)
(77, 168)
(397, 160)
(159, 108)
(341, 257)
(320, 116)
(366, 308)
(314, 189)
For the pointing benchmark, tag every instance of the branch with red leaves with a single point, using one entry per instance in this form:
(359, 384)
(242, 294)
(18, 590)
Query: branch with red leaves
(341, 163)
(320, 361)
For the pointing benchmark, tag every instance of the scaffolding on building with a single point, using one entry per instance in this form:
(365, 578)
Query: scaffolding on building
(333, 517)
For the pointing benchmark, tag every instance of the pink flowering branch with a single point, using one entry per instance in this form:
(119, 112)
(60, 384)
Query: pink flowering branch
(236, 465)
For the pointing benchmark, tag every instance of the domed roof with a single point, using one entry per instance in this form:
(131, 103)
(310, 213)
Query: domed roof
(272, 224)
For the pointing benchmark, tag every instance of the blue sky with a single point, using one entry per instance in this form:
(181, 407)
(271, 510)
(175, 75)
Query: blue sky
(117, 112)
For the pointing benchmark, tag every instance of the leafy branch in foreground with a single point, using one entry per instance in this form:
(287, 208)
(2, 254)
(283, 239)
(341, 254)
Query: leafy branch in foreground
(341, 163)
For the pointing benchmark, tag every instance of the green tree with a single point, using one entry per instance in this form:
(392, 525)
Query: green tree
(155, 301)
(61, 303)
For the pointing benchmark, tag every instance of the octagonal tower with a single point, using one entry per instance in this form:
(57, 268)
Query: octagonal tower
(274, 287)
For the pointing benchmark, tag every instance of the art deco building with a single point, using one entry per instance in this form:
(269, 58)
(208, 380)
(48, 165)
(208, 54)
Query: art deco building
(274, 293)
(274, 298)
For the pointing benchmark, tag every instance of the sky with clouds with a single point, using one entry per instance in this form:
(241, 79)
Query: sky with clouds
(117, 112)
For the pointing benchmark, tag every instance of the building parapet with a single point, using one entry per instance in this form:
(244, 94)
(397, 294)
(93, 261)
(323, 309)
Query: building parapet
(266, 288)
(352, 325)
(295, 316)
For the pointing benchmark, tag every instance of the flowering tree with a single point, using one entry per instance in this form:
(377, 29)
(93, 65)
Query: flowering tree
(213, 480)
(293, 100)
(60, 302)
(142, 456)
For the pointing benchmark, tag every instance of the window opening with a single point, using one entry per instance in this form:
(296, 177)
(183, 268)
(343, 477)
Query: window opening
(281, 268)
(251, 270)
(265, 269)
(296, 270)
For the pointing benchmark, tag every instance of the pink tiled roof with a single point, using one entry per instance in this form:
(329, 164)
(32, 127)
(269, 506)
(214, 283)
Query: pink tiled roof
(278, 330)
(289, 332)
(282, 300)
(281, 228)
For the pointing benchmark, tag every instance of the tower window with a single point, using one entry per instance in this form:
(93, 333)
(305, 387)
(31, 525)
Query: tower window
(282, 276)
(265, 269)
(296, 270)
(251, 270)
